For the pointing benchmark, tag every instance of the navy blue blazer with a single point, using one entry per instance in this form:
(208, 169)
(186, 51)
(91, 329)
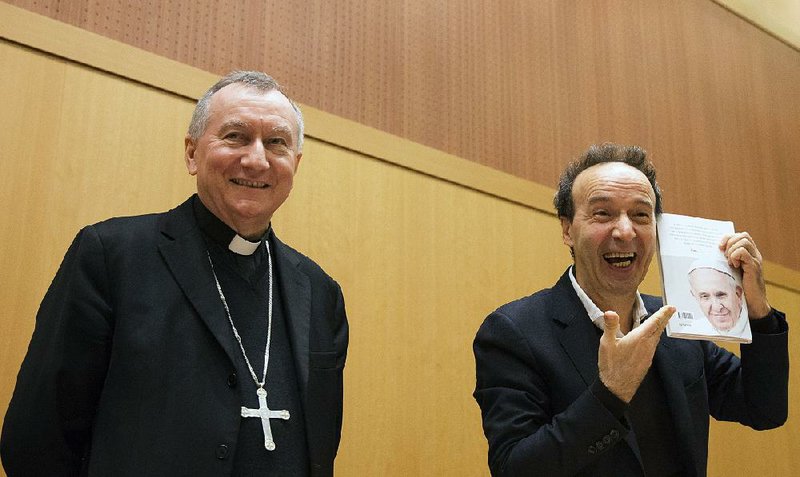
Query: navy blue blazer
(536, 359)
(130, 370)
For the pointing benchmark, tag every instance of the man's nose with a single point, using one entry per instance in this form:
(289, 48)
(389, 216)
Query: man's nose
(255, 156)
(623, 229)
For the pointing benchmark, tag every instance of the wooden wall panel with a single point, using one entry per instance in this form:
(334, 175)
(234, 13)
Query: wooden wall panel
(415, 301)
(422, 259)
(519, 86)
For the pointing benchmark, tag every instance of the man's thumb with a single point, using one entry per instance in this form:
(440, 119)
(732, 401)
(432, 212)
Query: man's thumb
(611, 320)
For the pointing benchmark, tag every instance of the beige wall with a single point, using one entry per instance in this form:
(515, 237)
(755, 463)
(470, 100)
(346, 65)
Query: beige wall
(424, 244)
(778, 17)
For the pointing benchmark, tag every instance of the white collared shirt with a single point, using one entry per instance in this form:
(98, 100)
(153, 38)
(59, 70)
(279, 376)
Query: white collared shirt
(596, 315)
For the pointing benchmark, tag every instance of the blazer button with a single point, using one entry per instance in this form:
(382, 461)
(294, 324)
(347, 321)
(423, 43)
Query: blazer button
(592, 450)
(614, 433)
(232, 380)
(222, 451)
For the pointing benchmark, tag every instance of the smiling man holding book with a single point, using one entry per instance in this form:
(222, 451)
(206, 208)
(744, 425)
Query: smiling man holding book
(580, 379)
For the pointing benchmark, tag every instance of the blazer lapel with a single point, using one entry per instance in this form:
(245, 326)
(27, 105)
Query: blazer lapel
(576, 333)
(183, 249)
(578, 338)
(295, 289)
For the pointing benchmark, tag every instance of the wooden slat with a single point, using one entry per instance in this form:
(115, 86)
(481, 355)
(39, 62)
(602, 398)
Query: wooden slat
(521, 87)
(105, 54)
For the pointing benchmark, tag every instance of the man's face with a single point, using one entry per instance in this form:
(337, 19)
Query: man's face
(613, 232)
(718, 295)
(246, 158)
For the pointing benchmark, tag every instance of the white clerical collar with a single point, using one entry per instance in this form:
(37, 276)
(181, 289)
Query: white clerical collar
(242, 246)
(596, 315)
(222, 234)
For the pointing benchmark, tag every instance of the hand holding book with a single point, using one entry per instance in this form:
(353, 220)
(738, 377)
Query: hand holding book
(742, 253)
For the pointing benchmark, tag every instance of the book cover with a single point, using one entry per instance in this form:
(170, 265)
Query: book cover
(697, 280)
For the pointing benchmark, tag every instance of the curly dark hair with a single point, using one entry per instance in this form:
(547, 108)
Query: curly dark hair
(633, 156)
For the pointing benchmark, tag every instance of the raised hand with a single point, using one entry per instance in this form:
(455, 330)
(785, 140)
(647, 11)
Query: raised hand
(623, 362)
(742, 253)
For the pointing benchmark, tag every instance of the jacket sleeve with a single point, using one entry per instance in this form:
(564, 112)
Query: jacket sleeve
(341, 334)
(47, 428)
(753, 390)
(526, 434)
(324, 401)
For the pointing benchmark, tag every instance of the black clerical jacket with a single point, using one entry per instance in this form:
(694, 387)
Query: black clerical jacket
(130, 370)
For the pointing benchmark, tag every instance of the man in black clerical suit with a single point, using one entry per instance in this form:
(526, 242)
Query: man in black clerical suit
(191, 342)
(578, 379)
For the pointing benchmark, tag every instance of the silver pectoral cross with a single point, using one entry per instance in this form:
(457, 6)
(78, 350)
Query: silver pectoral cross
(265, 414)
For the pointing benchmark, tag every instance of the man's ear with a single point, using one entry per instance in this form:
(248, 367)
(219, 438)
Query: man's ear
(738, 291)
(188, 155)
(566, 231)
(297, 158)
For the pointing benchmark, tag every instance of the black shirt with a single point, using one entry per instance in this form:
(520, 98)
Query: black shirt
(245, 283)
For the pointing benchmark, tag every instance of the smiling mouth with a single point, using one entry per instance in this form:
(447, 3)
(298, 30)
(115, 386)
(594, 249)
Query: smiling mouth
(620, 259)
(251, 184)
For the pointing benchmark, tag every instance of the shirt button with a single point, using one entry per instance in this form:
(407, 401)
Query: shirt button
(232, 380)
(222, 451)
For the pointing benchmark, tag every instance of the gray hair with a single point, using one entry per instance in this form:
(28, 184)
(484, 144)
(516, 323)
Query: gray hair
(253, 79)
